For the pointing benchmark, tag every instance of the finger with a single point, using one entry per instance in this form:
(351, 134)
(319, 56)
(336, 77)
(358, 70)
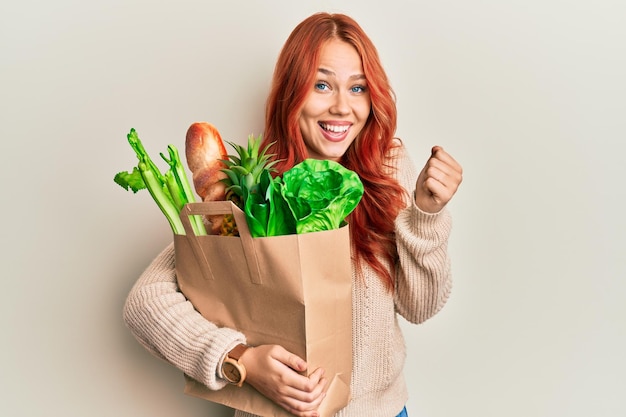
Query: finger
(306, 388)
(448, 175)
(305, 406)
(437, 190)
(439, 173)
(306, 400)
(440, 189)
(439, 154)
(316, 376)
(291, 360)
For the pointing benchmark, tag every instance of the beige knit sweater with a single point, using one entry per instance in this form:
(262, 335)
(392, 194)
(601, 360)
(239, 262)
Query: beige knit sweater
(167, 325)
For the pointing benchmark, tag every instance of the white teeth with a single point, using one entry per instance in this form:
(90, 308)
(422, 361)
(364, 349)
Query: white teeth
(335, 128)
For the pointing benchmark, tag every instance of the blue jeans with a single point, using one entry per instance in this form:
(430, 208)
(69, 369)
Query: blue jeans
(403, 413)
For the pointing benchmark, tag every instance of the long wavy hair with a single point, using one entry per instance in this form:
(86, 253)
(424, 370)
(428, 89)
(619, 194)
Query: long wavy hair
(372, 222)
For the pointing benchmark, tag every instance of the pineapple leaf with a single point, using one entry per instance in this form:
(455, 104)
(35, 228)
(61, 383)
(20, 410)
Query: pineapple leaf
(241, 151)
(254, 145)
(233, 160)
(249, 163)
(235, 189)
(248, 182)
(270, 165)
(233, 178)
(239, 170)
(257, 170)
(264, 151)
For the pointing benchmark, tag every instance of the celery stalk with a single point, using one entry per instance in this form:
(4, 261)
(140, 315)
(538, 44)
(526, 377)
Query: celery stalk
(180, 188)
(162, 197)
(171, 191)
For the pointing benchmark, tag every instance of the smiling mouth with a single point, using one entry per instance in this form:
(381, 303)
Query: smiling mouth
(338, 129)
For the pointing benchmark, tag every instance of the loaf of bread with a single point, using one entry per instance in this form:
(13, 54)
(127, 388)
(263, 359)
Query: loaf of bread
(205, 150)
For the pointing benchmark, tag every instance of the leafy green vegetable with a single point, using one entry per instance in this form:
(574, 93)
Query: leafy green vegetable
(267, 213)
(312, 196)
(320, 194)
(132, 180)
(171, 191)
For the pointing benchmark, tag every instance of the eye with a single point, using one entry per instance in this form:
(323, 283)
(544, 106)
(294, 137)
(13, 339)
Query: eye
(358, 89)
(321, 86)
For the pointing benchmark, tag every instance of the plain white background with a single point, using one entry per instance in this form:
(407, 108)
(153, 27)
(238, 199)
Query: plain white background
(527, 95)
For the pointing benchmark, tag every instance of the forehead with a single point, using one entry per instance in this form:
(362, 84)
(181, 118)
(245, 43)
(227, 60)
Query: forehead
(340, 57)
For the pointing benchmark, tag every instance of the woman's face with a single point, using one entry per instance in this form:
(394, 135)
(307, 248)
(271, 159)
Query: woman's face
(338, 105)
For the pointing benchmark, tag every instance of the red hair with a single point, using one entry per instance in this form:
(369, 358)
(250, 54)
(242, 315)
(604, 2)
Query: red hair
(372, 222)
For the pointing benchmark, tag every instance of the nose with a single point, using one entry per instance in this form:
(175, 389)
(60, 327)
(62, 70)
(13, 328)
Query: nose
(340, 104)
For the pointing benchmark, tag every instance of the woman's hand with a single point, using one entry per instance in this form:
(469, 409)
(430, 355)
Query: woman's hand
(438, 181)
(275, 373)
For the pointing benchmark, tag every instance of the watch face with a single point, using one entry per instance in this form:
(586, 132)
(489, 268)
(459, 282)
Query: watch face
(231, 372)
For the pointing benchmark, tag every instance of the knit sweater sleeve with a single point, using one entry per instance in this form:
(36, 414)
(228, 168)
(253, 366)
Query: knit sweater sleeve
(423, 281)
(166, 324)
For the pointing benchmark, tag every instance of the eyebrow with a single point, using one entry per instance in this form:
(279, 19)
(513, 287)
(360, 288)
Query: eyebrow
(331, 73)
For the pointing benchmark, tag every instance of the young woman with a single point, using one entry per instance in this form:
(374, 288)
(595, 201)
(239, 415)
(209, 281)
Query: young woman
(330, 99)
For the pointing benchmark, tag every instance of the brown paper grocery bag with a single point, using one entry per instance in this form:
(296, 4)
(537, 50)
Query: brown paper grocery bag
(293, 290)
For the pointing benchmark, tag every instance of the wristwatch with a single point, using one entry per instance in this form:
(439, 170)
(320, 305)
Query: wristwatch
(233, 370)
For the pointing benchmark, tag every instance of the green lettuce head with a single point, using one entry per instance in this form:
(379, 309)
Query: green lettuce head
(320, 194)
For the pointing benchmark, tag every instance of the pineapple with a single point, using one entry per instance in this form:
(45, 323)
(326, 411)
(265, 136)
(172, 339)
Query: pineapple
(243, 175)
(228, 227)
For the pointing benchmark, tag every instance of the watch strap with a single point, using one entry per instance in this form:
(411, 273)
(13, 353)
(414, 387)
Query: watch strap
(237, 351)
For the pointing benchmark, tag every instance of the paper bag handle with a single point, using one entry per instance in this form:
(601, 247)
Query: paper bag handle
(214, 208)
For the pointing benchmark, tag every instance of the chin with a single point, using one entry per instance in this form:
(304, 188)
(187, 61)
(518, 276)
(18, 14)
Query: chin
(333, 157)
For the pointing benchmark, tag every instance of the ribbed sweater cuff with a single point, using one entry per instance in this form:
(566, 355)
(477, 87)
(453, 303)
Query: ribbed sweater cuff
(433, 227)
